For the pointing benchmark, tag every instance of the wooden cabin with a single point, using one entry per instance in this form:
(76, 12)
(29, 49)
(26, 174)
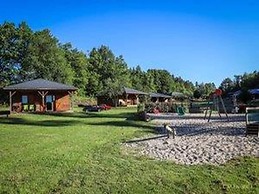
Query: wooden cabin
(157, 97)
(128, 97)
(40, 95)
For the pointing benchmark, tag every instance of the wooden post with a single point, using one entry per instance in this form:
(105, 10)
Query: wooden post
(43, 94)
(169, 130)
(126, 100)
(207, 108)
(71, 94)
(137, 99)
(10, 99)
(223, 105)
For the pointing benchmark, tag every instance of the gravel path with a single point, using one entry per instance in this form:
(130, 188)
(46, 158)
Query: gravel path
(198, 141)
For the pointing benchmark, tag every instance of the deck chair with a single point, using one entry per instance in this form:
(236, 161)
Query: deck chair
(31, 107)
(180, 110)
(25, 107)
(252, 121)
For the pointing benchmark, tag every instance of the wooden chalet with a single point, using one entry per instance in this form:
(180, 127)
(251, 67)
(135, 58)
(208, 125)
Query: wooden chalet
(40, 95)
(127, 97)
(130, 96)
(157, 97)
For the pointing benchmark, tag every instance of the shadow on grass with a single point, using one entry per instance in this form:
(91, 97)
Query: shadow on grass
(214, 117)
(126, 123)
(46, 123)
(146, 139)
(90, 115)
(217, 128)
(128, 120)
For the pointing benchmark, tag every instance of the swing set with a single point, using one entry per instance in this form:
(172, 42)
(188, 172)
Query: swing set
(216, 99)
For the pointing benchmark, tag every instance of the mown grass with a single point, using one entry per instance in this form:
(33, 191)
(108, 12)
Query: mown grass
(82, 153)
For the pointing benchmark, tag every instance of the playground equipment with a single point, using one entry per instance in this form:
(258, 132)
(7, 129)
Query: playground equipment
(180, 110)
(216, 100)
(252, 121)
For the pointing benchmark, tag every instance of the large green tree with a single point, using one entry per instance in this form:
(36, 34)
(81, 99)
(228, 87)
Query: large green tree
(250, 80)
(162, 80)
(227, 85)
(46, 59)
(108, 72)
(137, 77)
(79, 63)
(14, 44)
(203, 90)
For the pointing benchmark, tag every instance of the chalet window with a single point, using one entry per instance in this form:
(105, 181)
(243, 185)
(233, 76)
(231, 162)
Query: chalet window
(24, 99)
(50, 98)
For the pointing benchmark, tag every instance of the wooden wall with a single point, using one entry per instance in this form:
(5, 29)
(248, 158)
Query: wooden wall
(62, 100)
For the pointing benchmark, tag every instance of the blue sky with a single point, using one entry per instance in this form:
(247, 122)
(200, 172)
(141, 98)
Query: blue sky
(204, 41)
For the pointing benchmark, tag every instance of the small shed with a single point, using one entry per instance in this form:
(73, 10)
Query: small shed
(40, 95)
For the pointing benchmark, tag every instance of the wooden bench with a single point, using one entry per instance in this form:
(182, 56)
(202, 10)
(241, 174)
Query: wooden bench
(252, 121)
(5, 112)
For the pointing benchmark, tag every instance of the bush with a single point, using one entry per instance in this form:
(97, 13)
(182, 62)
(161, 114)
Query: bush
(141, 107)
(81, 101)
(149, 107)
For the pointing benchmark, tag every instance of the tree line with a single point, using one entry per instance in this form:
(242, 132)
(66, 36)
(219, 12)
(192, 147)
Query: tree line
(241, 82)
(26, 54)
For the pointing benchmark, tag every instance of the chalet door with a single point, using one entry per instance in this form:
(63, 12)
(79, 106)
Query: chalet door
(50, 99)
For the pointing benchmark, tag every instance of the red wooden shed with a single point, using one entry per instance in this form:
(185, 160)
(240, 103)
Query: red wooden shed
(40, 95)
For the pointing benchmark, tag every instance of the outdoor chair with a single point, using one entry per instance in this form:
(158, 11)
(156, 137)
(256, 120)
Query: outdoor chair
(31, 107)
(252, 121)
(25, 107)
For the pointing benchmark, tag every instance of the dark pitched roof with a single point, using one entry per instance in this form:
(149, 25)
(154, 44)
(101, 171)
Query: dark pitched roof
(158, 95)
(39, 84)
(133, 91)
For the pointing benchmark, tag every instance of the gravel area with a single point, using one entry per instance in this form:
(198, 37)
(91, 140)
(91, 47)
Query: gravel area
(198, 141)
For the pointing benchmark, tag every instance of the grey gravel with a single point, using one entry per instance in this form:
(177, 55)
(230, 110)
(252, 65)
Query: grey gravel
(198, 141)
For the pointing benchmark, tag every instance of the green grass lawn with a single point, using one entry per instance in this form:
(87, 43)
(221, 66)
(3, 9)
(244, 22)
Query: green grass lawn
(82, 153)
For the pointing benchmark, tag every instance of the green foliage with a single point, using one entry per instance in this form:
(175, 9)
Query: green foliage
(14, 42)
(250, 80)
(244, 82)
(204, 90)
(108, 73)
(26, 55)
(141, 107)
(46, 60)
(79, 64)
(197, 94)
(162, 80)
(227, 85)
(244, 96)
